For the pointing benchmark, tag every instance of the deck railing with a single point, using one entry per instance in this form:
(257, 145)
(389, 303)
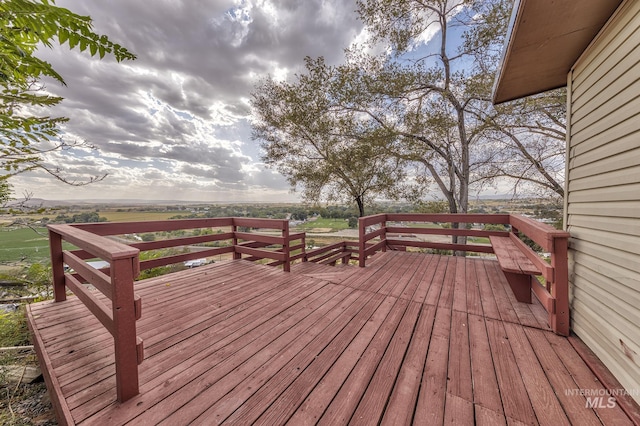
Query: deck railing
(343, 251)
(71, 269)
(399, 231)
(116, 285)
(233, 236)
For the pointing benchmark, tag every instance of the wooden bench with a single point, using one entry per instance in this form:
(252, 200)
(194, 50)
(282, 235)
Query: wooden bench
(514, 259)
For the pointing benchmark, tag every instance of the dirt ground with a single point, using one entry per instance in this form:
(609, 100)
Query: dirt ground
(26, 404)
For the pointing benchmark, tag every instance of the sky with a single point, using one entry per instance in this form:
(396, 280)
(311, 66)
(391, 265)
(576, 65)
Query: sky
(175, 123)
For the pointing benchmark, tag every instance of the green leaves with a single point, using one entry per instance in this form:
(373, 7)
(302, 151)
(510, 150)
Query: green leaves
(319, 142)
(26, 25)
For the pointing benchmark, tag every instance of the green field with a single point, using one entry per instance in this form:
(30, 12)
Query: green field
(323, 225)
(24, 245)
(138, 216)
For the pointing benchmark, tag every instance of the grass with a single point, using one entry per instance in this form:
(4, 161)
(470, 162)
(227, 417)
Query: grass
(479, 240)
(13, 329)
(322, 223)
(24, 245)
(20, 403)
(136, 216)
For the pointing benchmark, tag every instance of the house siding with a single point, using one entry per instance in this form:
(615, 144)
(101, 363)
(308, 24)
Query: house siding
(603, 195)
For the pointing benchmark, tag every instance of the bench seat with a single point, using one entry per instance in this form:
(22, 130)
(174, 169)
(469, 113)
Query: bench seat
(515, 264)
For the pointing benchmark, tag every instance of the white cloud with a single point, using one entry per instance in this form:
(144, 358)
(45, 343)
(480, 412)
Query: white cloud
(175, 122)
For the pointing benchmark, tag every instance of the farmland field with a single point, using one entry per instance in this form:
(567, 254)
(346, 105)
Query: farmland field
(137, 216)
(323, 225)
(24, 245)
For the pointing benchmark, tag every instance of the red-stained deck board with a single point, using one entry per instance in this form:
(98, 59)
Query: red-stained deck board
(374, 400)
(226, 330)
(460, 287)
(341, 408)
(459, 381)
(414, 290)
(435, 282)
(561, 378)
(404, 277)
(586, 379)
(259, 389)
(513, 392)
(431, 399)
(501, 296)
(486, 393)
(458, 411)
(405, 392)
(489, 306)
(472, 292)
(546, 406)
(240, 350)
(410, 339)
(324, 392)
(292, 396)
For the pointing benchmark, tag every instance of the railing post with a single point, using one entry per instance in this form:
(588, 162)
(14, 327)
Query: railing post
(285, 247)
(123, 272)
(361, 245)
(57, 266)
(560, 287)
(344, 248)
(304, 247)
(234, 229)
(383, 237)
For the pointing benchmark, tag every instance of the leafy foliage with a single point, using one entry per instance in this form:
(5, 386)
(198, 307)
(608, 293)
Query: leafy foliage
(5, 192)
(160, 270)
(427, 107)
(25, 25)
(13, 329)
(80, 218)
(333, 152)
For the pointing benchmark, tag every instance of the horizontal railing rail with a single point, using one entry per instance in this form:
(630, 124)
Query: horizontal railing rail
(399, 231)
(233, 235)
(343, 251)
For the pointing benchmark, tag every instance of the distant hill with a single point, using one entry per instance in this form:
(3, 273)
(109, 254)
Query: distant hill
(39, 202)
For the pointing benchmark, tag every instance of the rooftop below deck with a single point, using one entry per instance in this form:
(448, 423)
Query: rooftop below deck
(409, 338)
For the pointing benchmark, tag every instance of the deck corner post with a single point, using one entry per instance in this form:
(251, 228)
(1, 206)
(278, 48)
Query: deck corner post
(57, 266)
(560, 320)
(124, 327)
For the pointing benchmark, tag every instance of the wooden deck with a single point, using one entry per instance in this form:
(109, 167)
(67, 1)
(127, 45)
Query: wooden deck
(411, 338)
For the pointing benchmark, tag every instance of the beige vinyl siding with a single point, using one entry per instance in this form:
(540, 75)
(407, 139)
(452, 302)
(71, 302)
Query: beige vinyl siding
(603, 195)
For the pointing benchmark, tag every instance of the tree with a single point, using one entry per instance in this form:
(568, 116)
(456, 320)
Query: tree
(332, 152)
(527, 136)
(25, 25)
(439, 101)
(5, 192)
(530, 137)
(431, 93)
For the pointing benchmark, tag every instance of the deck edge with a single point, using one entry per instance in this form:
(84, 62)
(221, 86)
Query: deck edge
(63, 414)
(608, 380)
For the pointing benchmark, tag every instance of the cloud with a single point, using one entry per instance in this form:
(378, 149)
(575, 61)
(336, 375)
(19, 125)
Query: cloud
(178, 116)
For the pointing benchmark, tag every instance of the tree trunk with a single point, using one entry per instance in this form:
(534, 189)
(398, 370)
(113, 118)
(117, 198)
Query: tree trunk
(360, 205)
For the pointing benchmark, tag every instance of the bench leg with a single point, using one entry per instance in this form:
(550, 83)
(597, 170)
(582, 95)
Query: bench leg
(520, 285)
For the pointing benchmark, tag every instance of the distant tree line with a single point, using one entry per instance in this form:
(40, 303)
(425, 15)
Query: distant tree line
(86, 217)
